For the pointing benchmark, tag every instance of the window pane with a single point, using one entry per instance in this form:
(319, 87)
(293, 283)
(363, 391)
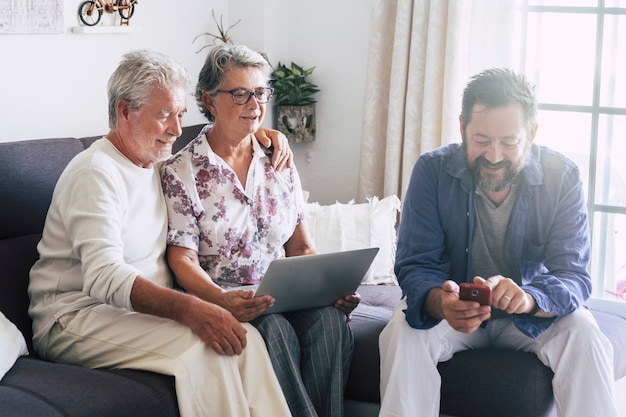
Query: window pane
(611, 170)
(608, 266)
(560, 56)
(565, 3)
(615, 3)
(568, 133)
(612, 93)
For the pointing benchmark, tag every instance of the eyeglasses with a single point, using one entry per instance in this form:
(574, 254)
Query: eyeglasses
(242, 96)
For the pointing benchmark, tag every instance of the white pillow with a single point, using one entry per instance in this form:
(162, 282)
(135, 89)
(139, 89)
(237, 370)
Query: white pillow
(339, 227)
(12, 345)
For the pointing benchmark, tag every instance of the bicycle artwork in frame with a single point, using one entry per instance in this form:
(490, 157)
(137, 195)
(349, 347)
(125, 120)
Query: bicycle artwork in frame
(90, 11)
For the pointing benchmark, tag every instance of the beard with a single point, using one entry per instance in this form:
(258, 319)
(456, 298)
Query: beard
(493, 183)
(498, 182)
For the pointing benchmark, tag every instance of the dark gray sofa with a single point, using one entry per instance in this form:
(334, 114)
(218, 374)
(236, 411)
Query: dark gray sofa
(475, 383)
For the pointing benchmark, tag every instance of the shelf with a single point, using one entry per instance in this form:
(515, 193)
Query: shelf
(105, 29)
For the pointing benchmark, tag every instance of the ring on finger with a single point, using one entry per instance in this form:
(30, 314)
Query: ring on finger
(507, 297)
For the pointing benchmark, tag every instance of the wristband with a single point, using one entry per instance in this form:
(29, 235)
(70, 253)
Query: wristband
(534, 311)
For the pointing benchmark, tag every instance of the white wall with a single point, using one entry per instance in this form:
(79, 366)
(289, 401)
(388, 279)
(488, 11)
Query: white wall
(55, 85)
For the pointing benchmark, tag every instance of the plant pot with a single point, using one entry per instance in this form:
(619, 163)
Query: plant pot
(296, 122)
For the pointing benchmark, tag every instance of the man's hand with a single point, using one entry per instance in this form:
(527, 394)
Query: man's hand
(244, 306)
(210, 322)
(507, 295)
(216, 327)
(283, 156)
(463, 316)
(348, 303)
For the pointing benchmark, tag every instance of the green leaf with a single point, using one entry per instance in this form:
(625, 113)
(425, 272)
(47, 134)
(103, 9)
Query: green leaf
(291, 86)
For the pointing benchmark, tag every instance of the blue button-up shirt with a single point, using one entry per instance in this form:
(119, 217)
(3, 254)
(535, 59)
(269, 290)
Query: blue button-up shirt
(548, 245)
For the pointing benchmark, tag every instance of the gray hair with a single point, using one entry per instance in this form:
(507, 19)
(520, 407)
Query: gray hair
(137, 74)
(499, 87)
(220, 59)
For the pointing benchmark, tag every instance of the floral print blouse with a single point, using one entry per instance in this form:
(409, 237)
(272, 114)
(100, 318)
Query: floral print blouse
(236, 232)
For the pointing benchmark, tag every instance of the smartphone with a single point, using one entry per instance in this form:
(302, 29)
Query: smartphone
(475, 292)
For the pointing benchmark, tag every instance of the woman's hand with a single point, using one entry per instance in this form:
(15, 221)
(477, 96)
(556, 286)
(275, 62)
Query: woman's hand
(348, 303)
(282, 156)
(244, 305)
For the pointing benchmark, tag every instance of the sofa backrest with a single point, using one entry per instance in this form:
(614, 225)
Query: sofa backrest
(29, 171)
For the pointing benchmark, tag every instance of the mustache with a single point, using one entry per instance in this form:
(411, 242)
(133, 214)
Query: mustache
(483, 162)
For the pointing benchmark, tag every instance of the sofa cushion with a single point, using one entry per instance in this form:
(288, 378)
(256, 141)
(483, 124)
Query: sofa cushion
(17, 256)
(12, 345)
(363, 379)
(339, 227)
(28, 175)
(87, 141)
(38, 388)
(495, 382)
(368, 320)
(29, 171)
(189, 134)
(611, 317)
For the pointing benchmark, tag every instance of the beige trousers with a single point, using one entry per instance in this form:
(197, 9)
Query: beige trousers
(207, 384)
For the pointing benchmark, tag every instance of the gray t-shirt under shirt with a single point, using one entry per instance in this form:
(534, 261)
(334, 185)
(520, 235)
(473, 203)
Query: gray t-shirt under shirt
(489, 247)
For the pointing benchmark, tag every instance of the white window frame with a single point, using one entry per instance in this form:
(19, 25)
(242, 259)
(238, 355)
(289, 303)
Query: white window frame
(597, 220)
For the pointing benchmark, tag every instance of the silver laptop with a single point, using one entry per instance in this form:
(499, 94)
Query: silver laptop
(301, 282)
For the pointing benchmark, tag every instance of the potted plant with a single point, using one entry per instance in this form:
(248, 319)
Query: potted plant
(294, 103)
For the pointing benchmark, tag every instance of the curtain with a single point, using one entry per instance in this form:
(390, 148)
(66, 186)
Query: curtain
(420, 55)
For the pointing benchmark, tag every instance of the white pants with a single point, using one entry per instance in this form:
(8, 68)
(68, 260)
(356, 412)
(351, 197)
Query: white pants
(578, 353)
(207, 384)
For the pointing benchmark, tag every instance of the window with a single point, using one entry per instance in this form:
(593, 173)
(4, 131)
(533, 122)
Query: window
(574, 51)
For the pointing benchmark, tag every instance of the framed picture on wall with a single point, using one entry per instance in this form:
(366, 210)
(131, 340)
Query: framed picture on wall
(34, 16)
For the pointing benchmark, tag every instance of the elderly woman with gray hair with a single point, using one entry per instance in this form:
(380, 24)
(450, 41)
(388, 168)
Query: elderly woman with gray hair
(231, 213)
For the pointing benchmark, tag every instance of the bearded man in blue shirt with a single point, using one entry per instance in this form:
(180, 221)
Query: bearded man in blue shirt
(501, 211)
